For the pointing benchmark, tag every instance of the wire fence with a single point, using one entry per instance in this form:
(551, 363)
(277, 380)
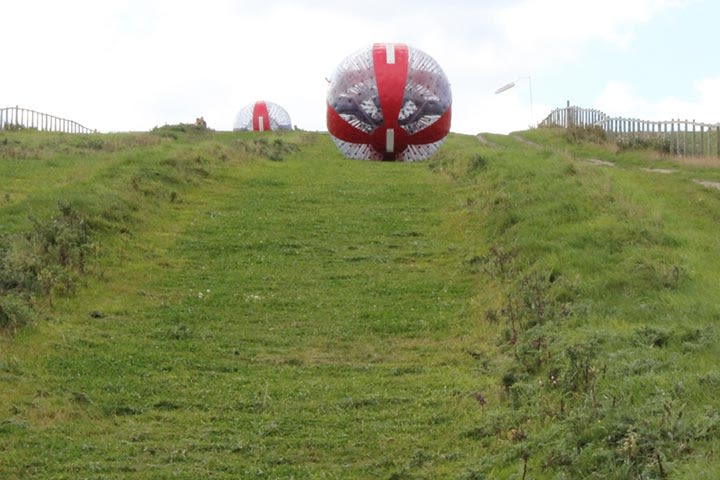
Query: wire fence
(676, 136)
(16, 118)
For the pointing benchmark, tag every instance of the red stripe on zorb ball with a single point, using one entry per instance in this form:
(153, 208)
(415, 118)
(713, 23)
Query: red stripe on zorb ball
(274, 117)
(383, 100)
(391, 71)
(261, 117)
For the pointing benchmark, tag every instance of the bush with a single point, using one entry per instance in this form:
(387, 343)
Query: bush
(585, 134)
(178, 130)
(46, 260)
(14, 312)
(275, 150)
(658, 143)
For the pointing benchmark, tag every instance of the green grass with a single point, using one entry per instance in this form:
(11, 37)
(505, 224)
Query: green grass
(259, 307)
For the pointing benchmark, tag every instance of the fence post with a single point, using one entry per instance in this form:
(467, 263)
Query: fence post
(702, 139)
(692, 148)
(709, 142)
(567, 115)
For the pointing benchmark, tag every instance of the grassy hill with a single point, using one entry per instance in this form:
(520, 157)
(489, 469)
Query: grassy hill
(193, 304)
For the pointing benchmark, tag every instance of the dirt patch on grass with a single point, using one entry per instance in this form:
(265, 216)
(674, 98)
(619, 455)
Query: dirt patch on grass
(708, 184)
(526, 141)
(485, 141)
(700, 161)
(596, 161)
(696, 161)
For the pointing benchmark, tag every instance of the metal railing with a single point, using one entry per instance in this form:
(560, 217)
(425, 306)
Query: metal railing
(16, 118)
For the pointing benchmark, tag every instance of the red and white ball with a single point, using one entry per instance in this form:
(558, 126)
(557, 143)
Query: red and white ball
(261, 116)
(389, 102)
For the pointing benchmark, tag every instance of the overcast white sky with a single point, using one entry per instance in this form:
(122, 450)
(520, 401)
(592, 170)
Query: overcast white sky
(118, 65)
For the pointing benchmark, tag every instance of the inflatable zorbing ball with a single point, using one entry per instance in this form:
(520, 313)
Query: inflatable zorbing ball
(389, 102)
(261, 116)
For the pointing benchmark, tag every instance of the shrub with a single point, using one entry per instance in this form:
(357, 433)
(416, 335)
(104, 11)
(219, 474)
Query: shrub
(43, 261)
(585, 134)
(14, 312)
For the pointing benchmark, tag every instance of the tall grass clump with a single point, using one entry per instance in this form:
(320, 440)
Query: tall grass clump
(577, 135)
(46, 261)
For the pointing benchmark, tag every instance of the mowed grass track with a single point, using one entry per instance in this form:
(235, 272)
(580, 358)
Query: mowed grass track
(308, 318)
(258, 307)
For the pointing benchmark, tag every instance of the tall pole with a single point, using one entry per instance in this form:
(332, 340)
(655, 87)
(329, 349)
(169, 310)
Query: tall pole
(532, 115)
(510, 85)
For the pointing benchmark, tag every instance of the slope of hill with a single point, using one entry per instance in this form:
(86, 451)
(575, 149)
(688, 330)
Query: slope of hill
(193, 304)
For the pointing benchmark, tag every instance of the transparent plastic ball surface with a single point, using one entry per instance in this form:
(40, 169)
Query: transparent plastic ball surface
(261, 116)
(389, 102)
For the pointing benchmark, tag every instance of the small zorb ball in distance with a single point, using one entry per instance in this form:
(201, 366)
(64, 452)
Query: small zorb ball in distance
(261, 116)
(389, 102)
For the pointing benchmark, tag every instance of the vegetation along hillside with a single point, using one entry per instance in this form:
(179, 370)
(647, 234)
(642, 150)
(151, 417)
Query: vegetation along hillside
(194, 304)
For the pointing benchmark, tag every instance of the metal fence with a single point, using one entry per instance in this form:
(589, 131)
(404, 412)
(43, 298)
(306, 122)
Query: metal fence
(680, 137)
(15, 118)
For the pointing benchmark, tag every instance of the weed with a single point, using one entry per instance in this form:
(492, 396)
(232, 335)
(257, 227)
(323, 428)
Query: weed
(179, 130)
(274, 150)
(46, 260)
(652, 337)
(661, 144)
(14, 312)
(576, 135)
(498, 261)
(476, 163)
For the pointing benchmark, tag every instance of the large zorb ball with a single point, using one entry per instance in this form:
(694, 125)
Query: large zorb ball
(389, 102)
(261, 116)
